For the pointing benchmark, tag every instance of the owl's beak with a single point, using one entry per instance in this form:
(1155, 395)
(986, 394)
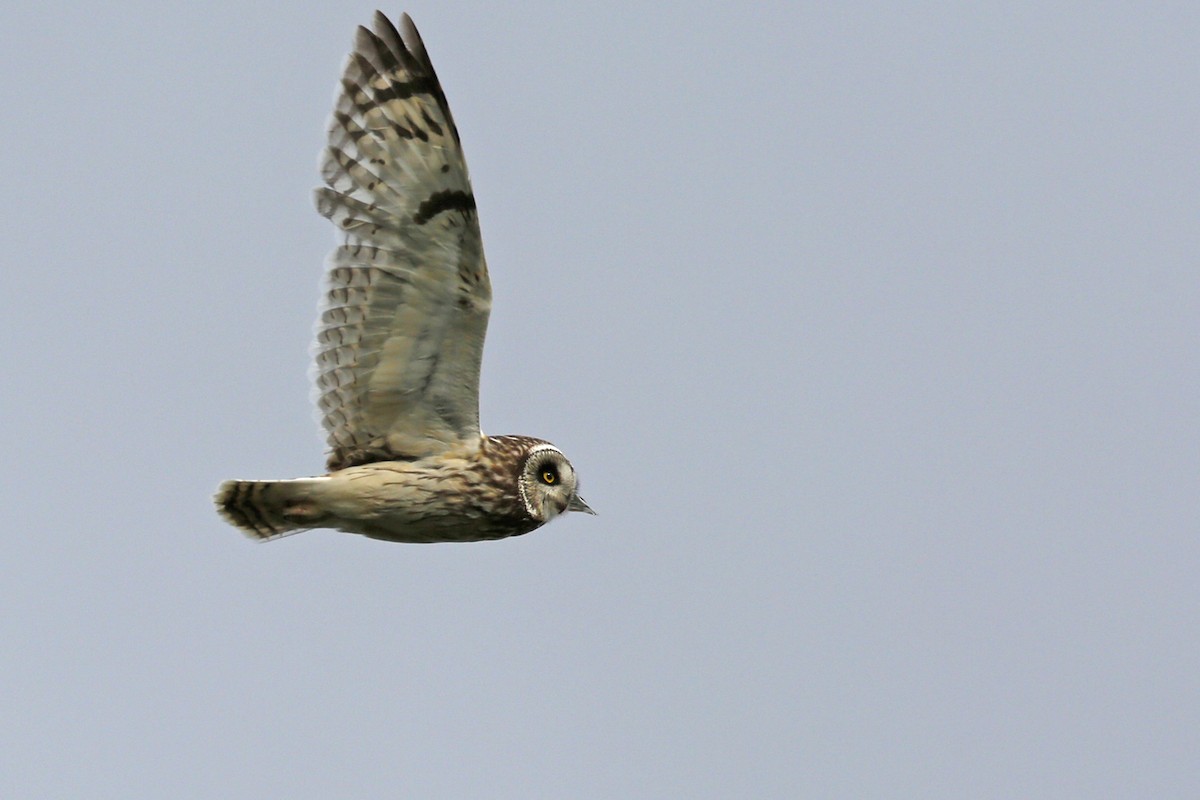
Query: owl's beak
(577, 504)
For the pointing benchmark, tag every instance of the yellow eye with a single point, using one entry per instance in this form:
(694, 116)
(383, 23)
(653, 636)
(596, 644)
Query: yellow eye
(549, 477)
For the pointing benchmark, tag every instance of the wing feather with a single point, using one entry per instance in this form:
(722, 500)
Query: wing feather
(401, 329)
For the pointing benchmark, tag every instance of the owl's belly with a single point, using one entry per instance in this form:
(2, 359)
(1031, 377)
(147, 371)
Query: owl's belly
(444, 528)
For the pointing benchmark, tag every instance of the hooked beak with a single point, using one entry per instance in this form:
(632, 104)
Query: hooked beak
(577, 504)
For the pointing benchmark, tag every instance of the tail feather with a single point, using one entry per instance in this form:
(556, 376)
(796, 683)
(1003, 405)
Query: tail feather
(265, 510)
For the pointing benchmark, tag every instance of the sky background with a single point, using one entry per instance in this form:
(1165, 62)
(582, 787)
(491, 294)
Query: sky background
(872, 332)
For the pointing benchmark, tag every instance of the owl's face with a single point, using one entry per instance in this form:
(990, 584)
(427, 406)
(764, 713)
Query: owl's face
(548, 484)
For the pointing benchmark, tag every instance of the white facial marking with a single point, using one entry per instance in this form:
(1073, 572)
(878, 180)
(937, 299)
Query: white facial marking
(533, 492)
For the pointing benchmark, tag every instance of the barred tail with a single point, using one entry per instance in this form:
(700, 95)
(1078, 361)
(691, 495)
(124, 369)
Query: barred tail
(268, 509)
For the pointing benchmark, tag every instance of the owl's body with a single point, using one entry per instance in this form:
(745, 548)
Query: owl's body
(470, 495)
(400, 336)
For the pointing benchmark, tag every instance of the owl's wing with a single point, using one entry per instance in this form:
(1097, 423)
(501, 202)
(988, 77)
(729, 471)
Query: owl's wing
(400, 336)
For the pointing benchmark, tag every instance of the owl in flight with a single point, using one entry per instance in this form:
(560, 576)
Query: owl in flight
(400, 335)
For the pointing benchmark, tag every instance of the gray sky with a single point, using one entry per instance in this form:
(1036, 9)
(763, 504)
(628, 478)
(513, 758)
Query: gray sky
(872, 333)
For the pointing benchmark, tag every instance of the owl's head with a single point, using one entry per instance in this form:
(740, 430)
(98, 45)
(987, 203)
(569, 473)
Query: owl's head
(548, 484)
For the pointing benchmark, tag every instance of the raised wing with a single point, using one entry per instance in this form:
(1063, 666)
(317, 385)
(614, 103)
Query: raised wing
(401, 331)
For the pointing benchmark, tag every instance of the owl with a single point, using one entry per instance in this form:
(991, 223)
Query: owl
(400, 333)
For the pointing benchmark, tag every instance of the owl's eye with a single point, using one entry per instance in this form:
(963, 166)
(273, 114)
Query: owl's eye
(549, 476)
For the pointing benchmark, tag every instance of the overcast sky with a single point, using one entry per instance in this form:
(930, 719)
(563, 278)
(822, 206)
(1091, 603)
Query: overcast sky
(872, 332)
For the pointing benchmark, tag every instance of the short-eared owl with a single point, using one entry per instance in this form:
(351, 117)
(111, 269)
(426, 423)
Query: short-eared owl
(400, 335)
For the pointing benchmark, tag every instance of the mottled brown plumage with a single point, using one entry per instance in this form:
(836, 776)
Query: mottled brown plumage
(401, 330)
